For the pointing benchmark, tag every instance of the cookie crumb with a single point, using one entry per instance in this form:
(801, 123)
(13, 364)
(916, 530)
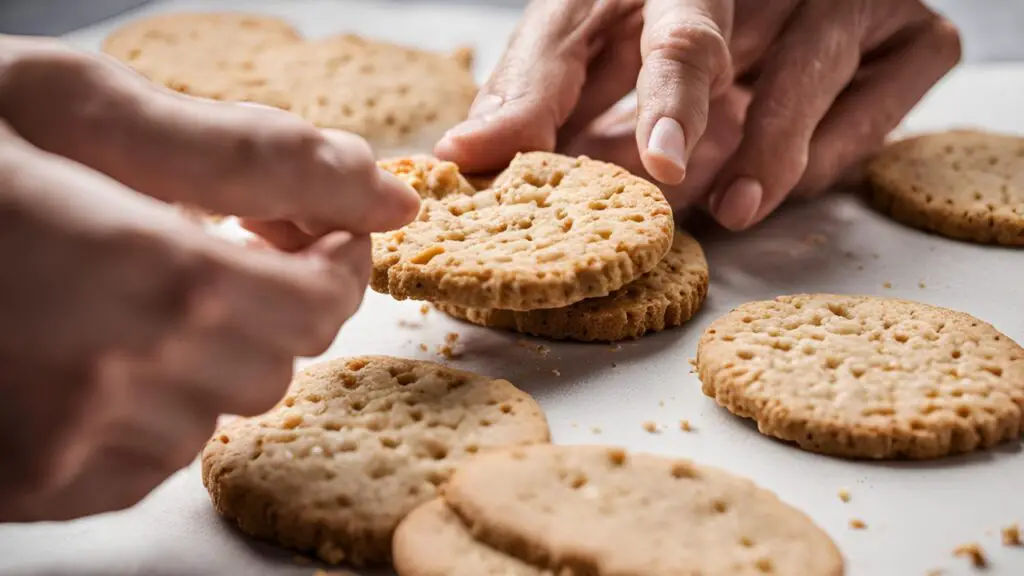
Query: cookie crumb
(857, 524)
(972, 551)
(407, 324)
(684, 425)
(425, 309)
(651, 427)
(596, 430)
(844, 494)
(887, 285)
(815, 240)
(451, 337)
(617, 456)
(661, 403)
(693, 362)
(556, 372)
(860, 267)
(448, 351)
(1011, 536)
(614, 348)
(424, 347)
(921, 285)
(614, 365)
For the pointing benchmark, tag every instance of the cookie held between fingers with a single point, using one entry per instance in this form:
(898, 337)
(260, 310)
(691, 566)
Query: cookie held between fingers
(551, 231)
(962, 184)
(432, 541)
(866, 377)
(601, 511)
(355, 446)
(666, 297)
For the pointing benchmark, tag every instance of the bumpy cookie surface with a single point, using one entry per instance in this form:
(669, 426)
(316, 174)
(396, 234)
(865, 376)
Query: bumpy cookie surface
(432, 541)
(866, 377)
(600, 511)
(395, 97)
(665, 297)
(355, 446)
(962, 184)
(549, 232)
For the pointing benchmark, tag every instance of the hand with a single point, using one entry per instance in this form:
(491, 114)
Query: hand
(288, 180)
(127, 329)
(828, 81)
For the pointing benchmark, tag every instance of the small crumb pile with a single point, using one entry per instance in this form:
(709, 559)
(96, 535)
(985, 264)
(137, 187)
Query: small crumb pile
(974, 552)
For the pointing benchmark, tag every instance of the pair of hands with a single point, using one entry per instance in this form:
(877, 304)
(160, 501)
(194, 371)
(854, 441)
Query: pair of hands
(740, 103)
(126, 329)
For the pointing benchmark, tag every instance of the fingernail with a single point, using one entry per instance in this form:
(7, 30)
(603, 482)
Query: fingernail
(736, 208)
(667, 146)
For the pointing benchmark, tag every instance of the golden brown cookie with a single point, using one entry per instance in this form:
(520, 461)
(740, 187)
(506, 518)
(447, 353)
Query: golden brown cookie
(962, 184)
(866, 377)
(432, 541)
(396, 97)
(551, 231)
(665, 297)
(355, 446)
(601, 511)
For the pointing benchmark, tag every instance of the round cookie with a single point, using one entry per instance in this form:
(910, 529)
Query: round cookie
(665, 297)
(962, 184)
(600, 511)
(389, 94)
(432, 541)
(211, 55)
(866, 377)
(551, 231)
(355, 446)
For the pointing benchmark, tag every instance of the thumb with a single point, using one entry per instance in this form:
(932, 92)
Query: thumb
(533, 90)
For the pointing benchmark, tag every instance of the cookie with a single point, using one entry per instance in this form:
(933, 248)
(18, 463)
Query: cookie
(551, 231)
(665, 297)
(355, 446)
(432, 541)
(599, 511)
(398, 98)
(866, 377)
(210, 55)
(962, 184)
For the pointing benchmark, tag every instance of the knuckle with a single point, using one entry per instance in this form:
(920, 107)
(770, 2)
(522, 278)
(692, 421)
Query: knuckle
(696, 42)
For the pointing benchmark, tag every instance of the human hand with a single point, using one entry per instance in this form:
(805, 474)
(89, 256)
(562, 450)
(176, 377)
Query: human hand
(828, 80)
(126, 328)
(288, 181)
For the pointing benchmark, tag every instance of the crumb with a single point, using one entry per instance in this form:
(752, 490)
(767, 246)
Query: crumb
(424, 347)
(614, 365)
(857, 524)
(448, 352)
(921, 285)
(661, 403)
(651, 427)
(849, 254)
(1011, 536)
(617, 456)
(408, 324)
(540, 349)
(860, 267)
(684, 425)
(574, 425)
(887, 285)
(556, 372)
(844, 494)
(972, 551)
(815, 240)
(693, 362)
(595, 430)
(451, 337)
(425, 309)
(301, 560)
(614, 348)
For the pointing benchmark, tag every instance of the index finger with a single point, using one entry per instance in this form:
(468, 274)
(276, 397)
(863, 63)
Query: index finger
(686, 61)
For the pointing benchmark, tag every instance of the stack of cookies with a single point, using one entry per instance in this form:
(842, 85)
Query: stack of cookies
(559, 247)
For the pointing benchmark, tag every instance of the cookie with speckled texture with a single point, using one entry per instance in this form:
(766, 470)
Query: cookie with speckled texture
(549, 232)
(355, 446)
(600, 511)
(665, 297)
(432, 541)
(866, 377)
(962, 184)
(396, 97)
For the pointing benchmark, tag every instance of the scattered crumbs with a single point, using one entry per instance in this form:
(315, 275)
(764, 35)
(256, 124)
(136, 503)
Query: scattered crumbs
(1011, 536)
(651, 427)
(448, 351)
(684, 425)
(844, 494)
(887, 285)
(425, 309)
(921, 285)
(301, 560)
(815, 240)
(424, 347)
(451, 337)
(596, 430)
(857, 524)
(972, 551)
(556, 372)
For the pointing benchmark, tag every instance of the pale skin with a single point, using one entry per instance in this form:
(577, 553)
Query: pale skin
(127, 330)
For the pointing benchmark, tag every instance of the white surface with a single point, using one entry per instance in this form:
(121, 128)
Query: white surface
(916, 513)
